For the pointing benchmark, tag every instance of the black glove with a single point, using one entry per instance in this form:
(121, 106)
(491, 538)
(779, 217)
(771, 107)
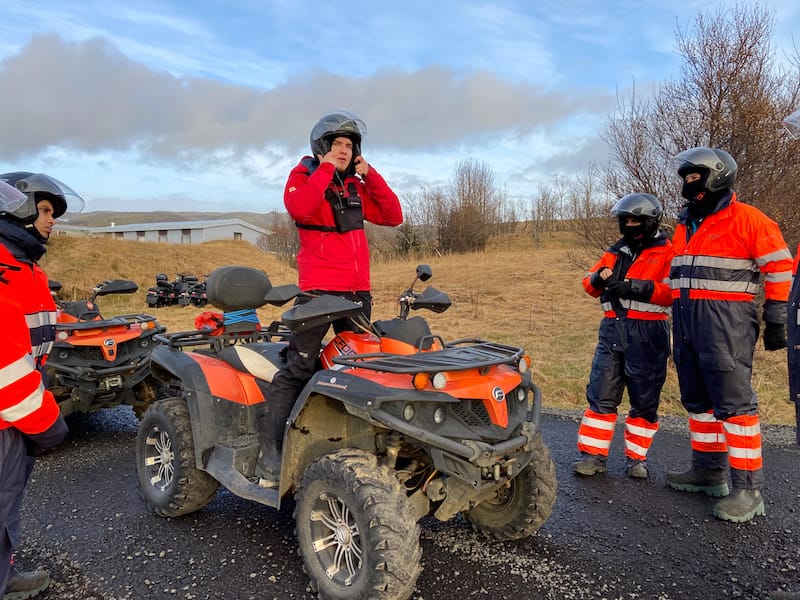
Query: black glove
(620, 289)
(597, 281)
(774, 336)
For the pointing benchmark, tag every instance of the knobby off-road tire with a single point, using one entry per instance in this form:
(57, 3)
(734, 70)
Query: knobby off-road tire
(356, 531)
(519, 510)
(165, 463)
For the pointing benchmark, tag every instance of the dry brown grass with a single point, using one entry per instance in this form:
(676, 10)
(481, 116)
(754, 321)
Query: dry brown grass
(514, 293)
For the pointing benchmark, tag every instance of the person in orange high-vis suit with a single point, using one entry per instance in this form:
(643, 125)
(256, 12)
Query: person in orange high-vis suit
(631, 280)
(721, 246)
(30, 420)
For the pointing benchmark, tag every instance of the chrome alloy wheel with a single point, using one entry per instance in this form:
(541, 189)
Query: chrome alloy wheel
(336, 539)
(160, 458)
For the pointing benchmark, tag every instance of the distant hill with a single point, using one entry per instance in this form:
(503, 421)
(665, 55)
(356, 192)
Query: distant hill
(106, 218)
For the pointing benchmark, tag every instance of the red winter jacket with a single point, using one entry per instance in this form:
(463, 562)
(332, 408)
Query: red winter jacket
(29, 315)
(327, 260)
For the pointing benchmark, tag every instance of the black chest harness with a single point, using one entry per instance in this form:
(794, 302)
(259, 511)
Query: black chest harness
(347, 210)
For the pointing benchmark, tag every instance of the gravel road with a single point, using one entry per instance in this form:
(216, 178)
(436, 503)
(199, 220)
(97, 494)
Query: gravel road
(609, 537)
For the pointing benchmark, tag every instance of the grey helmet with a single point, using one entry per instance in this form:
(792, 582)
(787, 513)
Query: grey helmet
(37, 187)
(341, 123)
(720, 165)
(639, 205)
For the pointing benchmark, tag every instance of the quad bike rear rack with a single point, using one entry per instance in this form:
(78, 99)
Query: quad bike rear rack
(456, 356)
(118, 321)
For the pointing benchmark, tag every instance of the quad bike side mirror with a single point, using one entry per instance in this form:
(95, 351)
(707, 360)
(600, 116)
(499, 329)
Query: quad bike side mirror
(424, 272)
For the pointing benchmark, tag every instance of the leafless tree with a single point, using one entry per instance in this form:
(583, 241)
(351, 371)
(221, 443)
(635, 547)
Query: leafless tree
(732, 93)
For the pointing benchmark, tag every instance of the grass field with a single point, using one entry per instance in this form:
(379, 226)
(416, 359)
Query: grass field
(515, 292)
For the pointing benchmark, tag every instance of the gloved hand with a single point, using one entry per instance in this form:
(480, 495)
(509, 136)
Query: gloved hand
(774, 336)
(620, 289)
(597, 281)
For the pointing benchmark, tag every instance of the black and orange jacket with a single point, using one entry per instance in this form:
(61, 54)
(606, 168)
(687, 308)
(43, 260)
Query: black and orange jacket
(651, 264)
(723, 259)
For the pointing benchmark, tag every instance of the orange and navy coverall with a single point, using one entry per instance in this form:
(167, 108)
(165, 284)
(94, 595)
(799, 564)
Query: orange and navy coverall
(632, 350)
(29, 415)
(714, 278)
(793, 341)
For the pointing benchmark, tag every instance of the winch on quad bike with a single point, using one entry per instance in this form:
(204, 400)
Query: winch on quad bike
(98, 362)
(397, 424)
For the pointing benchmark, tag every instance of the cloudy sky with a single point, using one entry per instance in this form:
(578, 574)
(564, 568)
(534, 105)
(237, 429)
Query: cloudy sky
(206, 105)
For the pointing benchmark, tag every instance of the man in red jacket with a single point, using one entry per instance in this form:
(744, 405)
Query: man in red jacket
(721, 248)
(30, 419)
(633, 346)
(329, 195)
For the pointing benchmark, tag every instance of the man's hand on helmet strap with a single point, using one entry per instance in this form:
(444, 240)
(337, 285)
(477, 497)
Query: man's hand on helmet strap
(362, 166)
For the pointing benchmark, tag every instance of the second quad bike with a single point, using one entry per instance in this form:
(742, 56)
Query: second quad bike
(397, 424)
(101, 362)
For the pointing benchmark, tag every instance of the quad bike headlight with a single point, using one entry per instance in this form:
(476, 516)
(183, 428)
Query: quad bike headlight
(524, 364)
(408, 412)
(144, 343)
(62, 335)
(520, 395)
(439, 415)
(439, 381)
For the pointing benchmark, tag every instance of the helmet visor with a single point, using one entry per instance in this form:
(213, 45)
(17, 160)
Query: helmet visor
(10, 198)
(701, 158)
(343, 122)
(75, 203)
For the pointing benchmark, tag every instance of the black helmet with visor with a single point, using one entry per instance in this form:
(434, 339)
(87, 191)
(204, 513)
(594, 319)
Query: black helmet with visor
(37, 187)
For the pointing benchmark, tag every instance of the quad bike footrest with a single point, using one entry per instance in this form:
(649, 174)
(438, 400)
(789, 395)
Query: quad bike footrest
(222, 466)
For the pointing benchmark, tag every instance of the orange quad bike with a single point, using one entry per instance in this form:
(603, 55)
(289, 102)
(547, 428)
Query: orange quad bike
(101, 362)
(397, 424)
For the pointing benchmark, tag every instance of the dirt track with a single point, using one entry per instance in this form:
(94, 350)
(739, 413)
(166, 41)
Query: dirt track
(608, 536)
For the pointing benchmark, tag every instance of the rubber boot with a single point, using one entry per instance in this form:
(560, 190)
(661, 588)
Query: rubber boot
(712, 482)
(740, 506)
(26, 585)
(268, 465)
(637, 470)
(590, 464)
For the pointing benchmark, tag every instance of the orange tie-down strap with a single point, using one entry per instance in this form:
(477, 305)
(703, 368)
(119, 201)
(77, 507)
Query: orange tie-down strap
(226, 382)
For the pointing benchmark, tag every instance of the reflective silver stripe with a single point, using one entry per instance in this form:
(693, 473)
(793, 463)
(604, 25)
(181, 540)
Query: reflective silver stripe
(644, 306)
(598, 423)
(16, 370)
(640, 431)
(707, 438)
(41, 318)
(732, 264)
(594, 442)
(779, 276)
(636, 448)
(746, 287)
(702, 417)
(718, 262)
(744, 453)
(744, 430)
(606, 306)
(22, 409)
(781, 254)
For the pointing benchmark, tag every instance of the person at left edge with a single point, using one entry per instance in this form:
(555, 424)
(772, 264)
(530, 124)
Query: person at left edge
(30, 420)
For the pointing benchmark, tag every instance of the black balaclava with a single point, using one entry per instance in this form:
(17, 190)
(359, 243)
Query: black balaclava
(634, 235)
(701, 202)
